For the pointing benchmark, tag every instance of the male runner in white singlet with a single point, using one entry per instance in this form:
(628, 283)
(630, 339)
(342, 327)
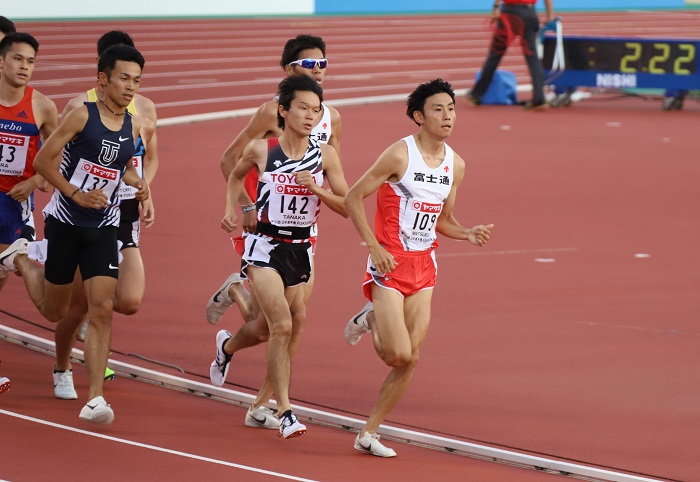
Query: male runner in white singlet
(277, 257)
(416, 181)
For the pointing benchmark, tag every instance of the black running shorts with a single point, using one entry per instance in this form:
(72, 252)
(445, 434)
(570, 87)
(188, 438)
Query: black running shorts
(94, 250)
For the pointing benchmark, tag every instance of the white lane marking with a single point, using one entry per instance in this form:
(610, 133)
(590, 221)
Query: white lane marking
(509, 251)
(152, 447)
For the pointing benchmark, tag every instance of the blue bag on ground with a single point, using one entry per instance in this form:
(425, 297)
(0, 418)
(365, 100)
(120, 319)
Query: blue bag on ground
(503, 89)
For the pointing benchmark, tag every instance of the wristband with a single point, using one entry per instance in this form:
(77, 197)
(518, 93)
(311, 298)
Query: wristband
(74, 193)
(247, 208)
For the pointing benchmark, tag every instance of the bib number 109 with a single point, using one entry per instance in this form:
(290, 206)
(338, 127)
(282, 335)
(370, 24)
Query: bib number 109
(424, 221)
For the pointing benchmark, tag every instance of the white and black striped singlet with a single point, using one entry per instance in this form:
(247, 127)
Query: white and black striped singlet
(282, 202)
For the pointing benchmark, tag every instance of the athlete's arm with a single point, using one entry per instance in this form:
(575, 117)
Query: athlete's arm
(390, 165)
(147, 110)
(448, 226)
(336, 129)
(131, 178)
(46, 116)
(263, 122)
(48, 160)
(550, 9)
(333, 171)
(253, 157)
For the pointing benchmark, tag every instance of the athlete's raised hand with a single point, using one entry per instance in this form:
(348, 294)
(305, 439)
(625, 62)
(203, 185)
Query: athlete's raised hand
(306, 179)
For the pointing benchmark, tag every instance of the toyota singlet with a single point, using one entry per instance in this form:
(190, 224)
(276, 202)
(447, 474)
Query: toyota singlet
(321, 133)
(408, 210)
(95, 159)
(280, 200)
(19, 142)
(128, 192)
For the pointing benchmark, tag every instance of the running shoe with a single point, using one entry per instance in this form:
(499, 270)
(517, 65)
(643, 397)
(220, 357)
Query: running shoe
(7, 257)
(109, 374)
(63, 385)
(97, 410)
(357, 326)
(262, 417)
(220, 365)
(5, 385)
(220, 302)
(291, 427)
(369, 443)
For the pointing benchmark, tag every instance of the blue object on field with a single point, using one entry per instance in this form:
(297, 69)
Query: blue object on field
(503, 89)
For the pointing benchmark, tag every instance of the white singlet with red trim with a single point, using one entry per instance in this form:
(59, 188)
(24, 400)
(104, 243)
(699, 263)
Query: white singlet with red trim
(322, 131)
(408, 210)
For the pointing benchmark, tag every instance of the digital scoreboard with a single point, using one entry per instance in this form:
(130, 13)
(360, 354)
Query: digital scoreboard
(624, 63)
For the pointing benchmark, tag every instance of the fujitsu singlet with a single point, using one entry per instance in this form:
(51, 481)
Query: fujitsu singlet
(408, 210)
(280, 200)
(95, 159)
(19, 142)
(127, 192)
(321, 132)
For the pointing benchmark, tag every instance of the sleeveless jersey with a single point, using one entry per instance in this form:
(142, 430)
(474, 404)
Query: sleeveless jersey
(95, 159)
(408, 210)
(280, 200)
(127, 192)
(320, 133)
(19, 142)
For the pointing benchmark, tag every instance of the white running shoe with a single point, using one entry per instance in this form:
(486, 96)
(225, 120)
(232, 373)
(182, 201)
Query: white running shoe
(370, 444)
(97, 410)
(357, 326)
(220, 302)
(7, 257)
(5, 384)
(289, 425)
(63, 385)
(262, 417)
(220, 365)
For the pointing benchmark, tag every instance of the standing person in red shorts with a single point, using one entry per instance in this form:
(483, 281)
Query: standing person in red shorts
(514, 18)
(416, 181)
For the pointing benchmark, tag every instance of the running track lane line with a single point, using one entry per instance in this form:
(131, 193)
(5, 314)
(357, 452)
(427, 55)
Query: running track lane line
(236, 113)
(328, 418)
(153, 447)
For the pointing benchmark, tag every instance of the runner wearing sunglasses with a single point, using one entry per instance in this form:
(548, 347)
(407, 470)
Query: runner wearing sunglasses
(304, 54)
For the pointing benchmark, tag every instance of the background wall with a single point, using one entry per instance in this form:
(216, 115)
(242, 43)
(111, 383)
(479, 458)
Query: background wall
(404, 6)
(51, 9)
(152, 8)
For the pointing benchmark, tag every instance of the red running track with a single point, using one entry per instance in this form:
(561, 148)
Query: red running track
(555, 339)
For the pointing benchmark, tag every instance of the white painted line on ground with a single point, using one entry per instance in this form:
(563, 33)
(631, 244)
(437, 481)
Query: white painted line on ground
(507, 252)
(236, 113)
(151, 447)
(338, 421)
